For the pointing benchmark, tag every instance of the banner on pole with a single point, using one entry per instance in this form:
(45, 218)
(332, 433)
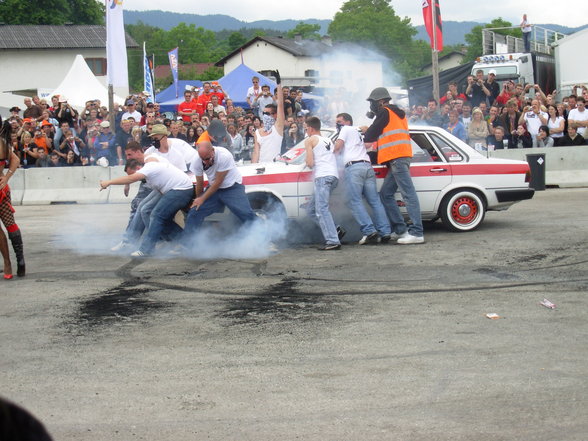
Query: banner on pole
(116, 47)
(173, 64)
(433, 24)
(147, 78)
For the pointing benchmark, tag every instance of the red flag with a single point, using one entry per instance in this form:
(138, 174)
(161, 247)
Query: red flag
(436, 44)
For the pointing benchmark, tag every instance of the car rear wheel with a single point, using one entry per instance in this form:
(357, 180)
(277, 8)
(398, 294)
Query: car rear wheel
(462, 210)
(267, 207)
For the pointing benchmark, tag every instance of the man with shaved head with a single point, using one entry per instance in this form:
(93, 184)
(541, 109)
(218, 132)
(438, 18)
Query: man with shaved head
(225, 188)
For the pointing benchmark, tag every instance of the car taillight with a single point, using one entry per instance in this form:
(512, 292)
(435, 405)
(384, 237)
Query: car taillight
(528, 176)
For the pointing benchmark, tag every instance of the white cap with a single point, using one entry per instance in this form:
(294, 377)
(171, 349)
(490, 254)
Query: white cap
(492, 72)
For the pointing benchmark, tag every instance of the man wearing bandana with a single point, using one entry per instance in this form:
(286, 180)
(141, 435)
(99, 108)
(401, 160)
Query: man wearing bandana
(268, 140)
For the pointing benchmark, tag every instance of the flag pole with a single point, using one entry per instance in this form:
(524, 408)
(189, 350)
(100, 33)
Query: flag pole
(435, 52)
(112, 112)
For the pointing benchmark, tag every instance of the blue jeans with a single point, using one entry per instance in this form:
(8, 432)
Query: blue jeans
(318, 208)
(162, 218)
(234, 198)
(527, 41)
(143, 192)
(360, 182)
(140, 220)
(398, 178)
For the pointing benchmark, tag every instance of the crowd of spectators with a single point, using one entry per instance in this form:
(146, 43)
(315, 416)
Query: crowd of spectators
(488, 116)
(52, 133)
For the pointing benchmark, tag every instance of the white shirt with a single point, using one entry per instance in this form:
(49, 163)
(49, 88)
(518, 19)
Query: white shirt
(270, 145)
(325, 162)
(163, 177)
(534, 122)
(576, 115)
(223, 161)
(252, 93)
(135, 115)
(555, 125)
(354, 148)
(179, 153)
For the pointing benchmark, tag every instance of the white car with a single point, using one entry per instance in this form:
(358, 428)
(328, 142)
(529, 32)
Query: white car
(453, 181)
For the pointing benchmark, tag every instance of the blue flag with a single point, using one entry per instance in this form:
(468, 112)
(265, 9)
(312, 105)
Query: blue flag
(173, 64)
(147, 77)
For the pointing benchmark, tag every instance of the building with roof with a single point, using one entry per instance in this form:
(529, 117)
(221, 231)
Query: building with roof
(36, 58)
(309, 63)
(447, 61)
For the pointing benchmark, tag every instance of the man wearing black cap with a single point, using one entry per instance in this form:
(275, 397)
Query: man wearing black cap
(131, 111)
(390, 132)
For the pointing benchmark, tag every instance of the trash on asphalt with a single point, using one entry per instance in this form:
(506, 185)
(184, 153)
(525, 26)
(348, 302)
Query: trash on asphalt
(492, 315)
(547, 304)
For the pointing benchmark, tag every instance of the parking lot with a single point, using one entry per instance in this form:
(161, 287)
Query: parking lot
(383, 342)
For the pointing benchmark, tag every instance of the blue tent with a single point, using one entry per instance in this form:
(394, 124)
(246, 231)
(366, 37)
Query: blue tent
(237, 81)
(167, 98)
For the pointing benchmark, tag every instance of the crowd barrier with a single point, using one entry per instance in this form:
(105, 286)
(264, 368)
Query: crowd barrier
(67, 185)
(564, 167)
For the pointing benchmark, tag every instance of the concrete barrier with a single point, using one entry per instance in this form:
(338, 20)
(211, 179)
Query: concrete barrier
(64, 185)
(16, 185)
(116, 192)
(564, 166)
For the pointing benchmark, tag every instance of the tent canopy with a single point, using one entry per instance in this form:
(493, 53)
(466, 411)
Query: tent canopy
(238, 81)
(168, 102)
(81, 85)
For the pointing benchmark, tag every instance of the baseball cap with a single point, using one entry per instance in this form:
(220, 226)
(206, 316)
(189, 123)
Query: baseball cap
(159, 129)
(46, 123)
(130, 103)
(104, 124)
(62, 99)
(15, 109)
(492, 72)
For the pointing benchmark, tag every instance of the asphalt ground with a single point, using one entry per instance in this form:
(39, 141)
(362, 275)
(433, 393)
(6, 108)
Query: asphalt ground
(384, 342)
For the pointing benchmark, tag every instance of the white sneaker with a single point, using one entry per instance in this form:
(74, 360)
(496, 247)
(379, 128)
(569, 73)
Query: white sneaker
(396, 236)
(120, 246)
(409, 239)
(138, 254)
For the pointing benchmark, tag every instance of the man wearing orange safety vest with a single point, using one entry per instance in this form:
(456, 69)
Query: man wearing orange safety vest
(390, 131)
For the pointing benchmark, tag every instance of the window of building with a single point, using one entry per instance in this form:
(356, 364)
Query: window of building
(97, 66)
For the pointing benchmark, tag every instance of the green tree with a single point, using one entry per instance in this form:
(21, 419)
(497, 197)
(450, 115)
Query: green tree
(51, 12)
(373, 23)
(473, 39)
(306, 31)
(236, 40)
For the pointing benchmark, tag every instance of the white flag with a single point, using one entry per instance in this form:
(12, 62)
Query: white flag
(116, 48)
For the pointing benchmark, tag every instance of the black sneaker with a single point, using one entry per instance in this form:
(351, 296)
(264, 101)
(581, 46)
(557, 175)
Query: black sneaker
(341, 232)
(370, 240)
(386, 238)
(331, 247)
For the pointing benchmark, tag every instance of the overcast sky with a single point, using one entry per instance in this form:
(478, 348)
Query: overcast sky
(570, 13)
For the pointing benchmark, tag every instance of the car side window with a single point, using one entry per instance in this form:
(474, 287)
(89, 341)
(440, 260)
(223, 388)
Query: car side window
(422, 150)
(448, 151)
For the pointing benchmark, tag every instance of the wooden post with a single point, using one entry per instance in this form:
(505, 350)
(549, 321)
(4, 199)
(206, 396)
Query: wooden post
(435, 53)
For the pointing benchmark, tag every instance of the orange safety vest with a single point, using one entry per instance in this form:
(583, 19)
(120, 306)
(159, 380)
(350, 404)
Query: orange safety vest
(394, 142)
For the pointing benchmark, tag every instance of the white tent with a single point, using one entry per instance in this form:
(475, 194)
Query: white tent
(80, 85)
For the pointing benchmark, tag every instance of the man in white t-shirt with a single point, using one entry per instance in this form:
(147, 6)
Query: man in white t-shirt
(360, 183)
(225, 188)
(176, 189)
(578, 117)
(254, 91)
(179, 154)
(534, 118)
(320, 156)
(131, 112)
(268, 139)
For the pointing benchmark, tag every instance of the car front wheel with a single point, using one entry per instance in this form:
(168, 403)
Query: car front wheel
(462, 210)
